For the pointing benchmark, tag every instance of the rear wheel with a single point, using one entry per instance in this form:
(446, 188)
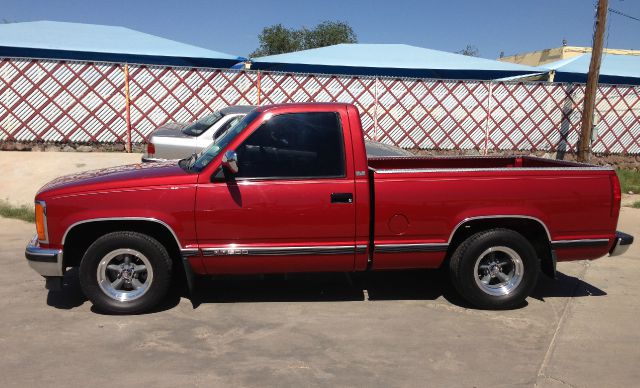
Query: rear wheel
(125, 272)
(495, 269)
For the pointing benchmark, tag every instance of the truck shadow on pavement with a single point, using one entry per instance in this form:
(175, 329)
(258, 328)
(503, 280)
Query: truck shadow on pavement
(326, 287)
(372, 286)
(71, 295)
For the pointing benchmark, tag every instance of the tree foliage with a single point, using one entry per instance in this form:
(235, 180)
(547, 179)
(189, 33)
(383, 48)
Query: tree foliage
(278, 39)
(470, 51)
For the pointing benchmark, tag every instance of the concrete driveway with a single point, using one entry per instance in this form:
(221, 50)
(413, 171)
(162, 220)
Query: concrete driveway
(379, 329)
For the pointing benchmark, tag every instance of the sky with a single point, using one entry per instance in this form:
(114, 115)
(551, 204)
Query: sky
(493, 26)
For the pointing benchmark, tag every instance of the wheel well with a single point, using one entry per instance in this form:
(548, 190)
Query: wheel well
(531, 229)
(81, 236)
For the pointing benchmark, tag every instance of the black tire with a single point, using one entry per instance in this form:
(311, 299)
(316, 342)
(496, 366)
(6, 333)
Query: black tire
(496, 292)
(117, 246)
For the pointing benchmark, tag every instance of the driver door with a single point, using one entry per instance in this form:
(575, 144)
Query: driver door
(290, 207)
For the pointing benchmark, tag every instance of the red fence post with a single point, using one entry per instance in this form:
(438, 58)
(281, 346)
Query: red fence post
(127, 100)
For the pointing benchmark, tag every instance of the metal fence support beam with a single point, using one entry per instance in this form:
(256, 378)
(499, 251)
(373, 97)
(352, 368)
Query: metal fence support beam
(486, 124)
(127, 101)
(375, 111)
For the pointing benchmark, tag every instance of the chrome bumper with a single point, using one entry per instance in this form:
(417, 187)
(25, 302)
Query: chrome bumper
(46, 262)
(622, 242)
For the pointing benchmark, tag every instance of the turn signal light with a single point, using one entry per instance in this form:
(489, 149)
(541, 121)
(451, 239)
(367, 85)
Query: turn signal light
(151, 149)
(40, 228)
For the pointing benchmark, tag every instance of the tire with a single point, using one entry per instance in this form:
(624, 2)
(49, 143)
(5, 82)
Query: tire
(125, 273)
(495, 269)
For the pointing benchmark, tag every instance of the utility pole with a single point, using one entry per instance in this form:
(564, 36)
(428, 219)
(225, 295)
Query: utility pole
(584, 149)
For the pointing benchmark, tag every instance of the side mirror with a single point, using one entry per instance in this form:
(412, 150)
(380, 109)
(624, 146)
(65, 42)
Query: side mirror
(230, 162)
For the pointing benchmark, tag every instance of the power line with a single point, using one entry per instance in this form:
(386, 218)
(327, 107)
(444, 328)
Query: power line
(623, 14)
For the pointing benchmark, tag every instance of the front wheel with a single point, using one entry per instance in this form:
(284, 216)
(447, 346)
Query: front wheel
(125, 272)
(495, 269)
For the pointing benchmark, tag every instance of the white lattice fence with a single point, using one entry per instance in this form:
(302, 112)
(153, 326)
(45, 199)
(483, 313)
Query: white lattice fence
(432, 114)
(163, 94)
(61, 101)
(539, 116)
(277, 88)
(535, 116)
(618, 126)
(47, 100)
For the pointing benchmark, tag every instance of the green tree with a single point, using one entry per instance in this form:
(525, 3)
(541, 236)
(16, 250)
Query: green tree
(278, 39)
(470, 51)
(329, 33)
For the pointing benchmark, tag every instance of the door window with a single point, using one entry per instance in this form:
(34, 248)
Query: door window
(295, 145)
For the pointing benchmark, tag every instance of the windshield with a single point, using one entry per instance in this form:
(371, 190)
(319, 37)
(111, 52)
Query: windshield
(208, 154)
(199, 126)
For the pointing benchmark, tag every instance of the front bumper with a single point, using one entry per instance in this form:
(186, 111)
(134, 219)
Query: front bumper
(46, 262)
(622, 242)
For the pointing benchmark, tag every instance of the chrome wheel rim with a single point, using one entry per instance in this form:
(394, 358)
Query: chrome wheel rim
(498, 271)
(125, 274)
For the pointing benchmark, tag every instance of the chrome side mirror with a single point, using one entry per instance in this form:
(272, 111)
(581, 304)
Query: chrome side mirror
(230, 161)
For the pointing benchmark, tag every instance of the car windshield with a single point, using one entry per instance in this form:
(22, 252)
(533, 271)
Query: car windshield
(198, 127)
(208, 154)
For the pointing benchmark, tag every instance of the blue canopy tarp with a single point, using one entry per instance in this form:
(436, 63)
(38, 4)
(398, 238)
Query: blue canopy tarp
(393, 60)
(614, 69)
(90, 42)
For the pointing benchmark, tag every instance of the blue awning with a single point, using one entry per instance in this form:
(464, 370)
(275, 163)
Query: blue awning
(614, 69)
(90, 42)
(393, 60)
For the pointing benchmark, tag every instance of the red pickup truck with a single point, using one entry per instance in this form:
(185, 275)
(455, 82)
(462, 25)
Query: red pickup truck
(290, 189)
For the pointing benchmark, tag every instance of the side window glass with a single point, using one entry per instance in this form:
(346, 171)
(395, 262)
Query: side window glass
(296, 145)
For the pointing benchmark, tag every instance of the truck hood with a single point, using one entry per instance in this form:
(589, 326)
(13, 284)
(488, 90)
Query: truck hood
(120, 177)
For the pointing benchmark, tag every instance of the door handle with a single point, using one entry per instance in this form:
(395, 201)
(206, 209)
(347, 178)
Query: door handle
(341, 197)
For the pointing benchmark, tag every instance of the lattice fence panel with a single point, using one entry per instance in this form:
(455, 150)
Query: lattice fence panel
(432, 114)
(535, 116)
(61, 101)
(618, 115)
(163, 94)
(277, 88)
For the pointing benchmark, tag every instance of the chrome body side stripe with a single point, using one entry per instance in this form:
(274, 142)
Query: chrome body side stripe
(284, 251)
(402, 248)
(190, 252)
(588, 242)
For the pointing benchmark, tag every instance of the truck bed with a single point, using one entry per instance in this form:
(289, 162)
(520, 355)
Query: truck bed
(420, 202)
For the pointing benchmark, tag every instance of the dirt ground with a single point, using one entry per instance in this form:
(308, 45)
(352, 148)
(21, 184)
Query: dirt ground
(382, 329)
(23, 173)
